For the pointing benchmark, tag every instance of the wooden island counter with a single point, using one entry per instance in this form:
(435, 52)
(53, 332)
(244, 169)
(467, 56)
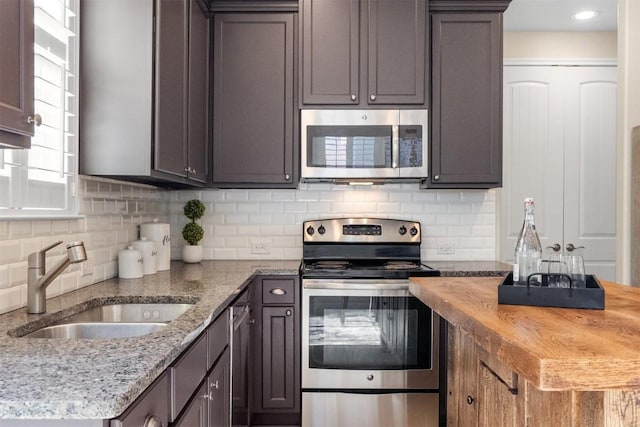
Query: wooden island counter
(536, 366)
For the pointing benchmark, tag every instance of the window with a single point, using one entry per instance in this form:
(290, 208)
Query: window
(42, 181)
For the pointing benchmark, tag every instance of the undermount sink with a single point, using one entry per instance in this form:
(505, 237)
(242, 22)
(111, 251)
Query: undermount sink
(96, 330)
(130, 313)
(113, 321)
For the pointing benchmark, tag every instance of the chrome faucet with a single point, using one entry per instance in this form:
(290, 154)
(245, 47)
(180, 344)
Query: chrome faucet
(38, 279)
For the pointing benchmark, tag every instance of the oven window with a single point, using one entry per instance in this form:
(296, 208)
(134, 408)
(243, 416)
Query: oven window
(382, 333)
(349, 146)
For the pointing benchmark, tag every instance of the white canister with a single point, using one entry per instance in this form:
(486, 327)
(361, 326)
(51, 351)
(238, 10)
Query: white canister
(161, 234)
(130, 264)
(149, 254)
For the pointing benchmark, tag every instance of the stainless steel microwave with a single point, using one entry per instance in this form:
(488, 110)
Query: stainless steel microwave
(363, 144)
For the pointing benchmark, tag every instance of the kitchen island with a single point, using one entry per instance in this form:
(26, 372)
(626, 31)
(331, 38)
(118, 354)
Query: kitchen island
(519, 365)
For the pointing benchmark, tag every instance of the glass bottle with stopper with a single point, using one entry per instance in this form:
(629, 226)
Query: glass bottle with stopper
(528, 251)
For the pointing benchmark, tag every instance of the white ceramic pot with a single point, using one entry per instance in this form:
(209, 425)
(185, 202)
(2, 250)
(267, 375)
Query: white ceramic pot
(130, 264)
(161, 234)
(192, 253)
(149, 254)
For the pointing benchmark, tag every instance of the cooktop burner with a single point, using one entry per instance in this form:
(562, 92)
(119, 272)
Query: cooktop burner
(365, 269)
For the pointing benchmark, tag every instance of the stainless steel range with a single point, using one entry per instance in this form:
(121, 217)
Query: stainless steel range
(370, 351)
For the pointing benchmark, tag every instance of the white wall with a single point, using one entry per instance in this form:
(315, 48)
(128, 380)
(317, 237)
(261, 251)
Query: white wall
(628, 118)
(560, 45)
(112, 211)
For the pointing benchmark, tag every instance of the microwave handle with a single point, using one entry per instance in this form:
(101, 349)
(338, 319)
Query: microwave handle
(395, 146)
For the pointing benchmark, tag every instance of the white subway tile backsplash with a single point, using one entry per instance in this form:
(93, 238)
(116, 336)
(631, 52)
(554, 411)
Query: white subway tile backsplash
(115, 209)
(18, 229)
(11, 298)
(4, 276)
(111, 214)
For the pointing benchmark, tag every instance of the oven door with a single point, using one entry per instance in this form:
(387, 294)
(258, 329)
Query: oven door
(367, 334)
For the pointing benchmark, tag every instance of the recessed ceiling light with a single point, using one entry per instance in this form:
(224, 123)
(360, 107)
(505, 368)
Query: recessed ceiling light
(585, 15)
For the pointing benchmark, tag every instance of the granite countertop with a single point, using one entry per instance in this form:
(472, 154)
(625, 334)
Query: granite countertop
(471, 268)
(99, 379)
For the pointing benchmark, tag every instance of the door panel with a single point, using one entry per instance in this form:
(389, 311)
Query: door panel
(560, 149)
(533, 154)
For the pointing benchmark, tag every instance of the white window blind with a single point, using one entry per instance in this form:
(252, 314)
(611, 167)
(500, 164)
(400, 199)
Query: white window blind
(42, 181)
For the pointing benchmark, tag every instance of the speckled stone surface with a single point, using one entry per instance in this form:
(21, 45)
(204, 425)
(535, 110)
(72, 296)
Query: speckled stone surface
(93, 379)
(471, 268)
(99, 379)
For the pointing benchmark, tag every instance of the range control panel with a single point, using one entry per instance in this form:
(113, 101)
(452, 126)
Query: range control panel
(361, 230)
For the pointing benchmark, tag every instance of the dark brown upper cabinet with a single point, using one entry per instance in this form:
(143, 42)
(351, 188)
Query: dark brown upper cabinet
(16, 71)
(363, 52)
(254, 124)
(145, 91)
(466, 111)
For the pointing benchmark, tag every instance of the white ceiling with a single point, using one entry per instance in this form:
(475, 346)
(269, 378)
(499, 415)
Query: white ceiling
(556, 15)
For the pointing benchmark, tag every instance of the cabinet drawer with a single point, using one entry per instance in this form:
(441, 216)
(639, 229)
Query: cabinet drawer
(186, 373)
(278, 291)
(152, 403)
(218, 338)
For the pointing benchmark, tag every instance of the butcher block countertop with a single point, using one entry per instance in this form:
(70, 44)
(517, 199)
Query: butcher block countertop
(553, 348)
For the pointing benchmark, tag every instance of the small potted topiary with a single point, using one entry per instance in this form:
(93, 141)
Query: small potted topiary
(193, 232)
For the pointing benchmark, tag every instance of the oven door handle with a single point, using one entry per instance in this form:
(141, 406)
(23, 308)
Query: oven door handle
(376, 285)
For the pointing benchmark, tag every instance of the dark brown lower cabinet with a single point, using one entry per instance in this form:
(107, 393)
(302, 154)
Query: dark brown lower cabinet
(276, 351)
(195, 415)
(219, 392)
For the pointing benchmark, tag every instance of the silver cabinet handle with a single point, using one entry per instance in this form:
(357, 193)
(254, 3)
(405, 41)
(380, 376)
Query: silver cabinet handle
(570, 247)
(288, 312)
(556, 247)
(372, 97)
(436, 178)
(370, 377)
(35, 119)
(152, 421)
(354, 97)
(277, 291)
(287, 176)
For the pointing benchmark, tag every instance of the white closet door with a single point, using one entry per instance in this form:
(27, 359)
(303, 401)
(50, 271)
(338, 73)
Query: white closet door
(533, 139)
(559, 147)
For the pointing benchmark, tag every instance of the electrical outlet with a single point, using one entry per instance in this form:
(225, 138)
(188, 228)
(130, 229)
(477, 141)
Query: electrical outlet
(260, 246)
(446, 247)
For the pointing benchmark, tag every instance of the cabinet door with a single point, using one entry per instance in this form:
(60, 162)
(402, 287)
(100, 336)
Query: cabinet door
(498, 404)
(198, 129)
(16, 69)
(278, 359)
(462, 379)
(466, 146)
(253, 140)
(196, 413)
(397, 51)
(219, 393)
(171, 86)
(330, 68)
(151, 405)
